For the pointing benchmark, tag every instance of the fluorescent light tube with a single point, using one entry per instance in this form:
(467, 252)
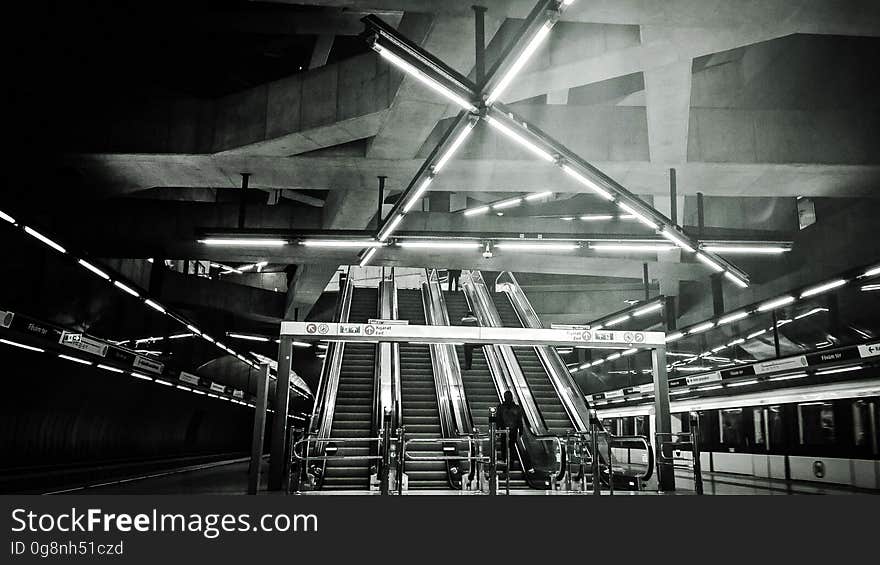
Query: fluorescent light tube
(423, 78)
(596, 217)
(871, 272)
(388, 231)
(519, 63)
(193, 329)
(154, 305)
(538, 246)
(34, 233)
(732, 318)
(21, 345)
(109, 368)
(248, 337)
(756, 334)
(701, 328)
(616, 321)
(538, 195)
(418, 194)
(623, 247)
(7, 217)
(746, 249)
(638, 216)
(839, 370)
(823, 288)
(519, 139)
(674, 337)
(140, 376)
(587, 182)
(773, 304)
(94, 269)
(74, 359)
(127, 289)
(440, 244)
(241, 242)
(789, 377)
(647, 309)
(712, 264)
(475, 211)
(341, 243)
(507, 204)
(367, 256)
(735, 280)
(453, 147)
(674, 238)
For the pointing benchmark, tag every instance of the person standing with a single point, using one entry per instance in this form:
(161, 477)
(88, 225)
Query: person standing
(453, 275)
(469, 320)
(509, 416)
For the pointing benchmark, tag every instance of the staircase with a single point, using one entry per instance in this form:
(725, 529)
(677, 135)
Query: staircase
(418, 397)
(353, 413)
(479, 389)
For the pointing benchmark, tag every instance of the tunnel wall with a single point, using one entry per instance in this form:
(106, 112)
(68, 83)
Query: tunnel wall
(55, 414)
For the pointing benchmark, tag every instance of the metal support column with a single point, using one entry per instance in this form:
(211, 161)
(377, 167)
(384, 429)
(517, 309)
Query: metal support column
(242, 199)
(717, 294)
(775, 320)
(381, 201)
(279, 423)
(673, 196)
(662, 418)
(259, 429)
(646, 281)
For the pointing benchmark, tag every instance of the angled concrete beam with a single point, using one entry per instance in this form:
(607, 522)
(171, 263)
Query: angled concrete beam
(321, 51)
(668, 92)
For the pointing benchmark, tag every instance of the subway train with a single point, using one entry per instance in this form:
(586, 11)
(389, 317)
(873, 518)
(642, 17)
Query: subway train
(825, 433)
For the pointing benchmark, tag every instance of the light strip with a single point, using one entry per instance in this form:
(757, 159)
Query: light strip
(756, 334)
(712, 264)
(140, 376)
(647, 309)
(454, 147)
(193, 329)
(166, 383)
(418, 194)
(538, 195)
(155, 306)
(788, 377)
(422, 77)
(34, 233)
(21, 345)
(668, 234)
(94, 269)
(507, 204)
(823, 288)
(870, 287)
(109, 368)
(629, 352)
(367, 256)
(518, 65)
(596, 217)
(613, 356)
(773, 304)
(7, 217)
(519, 139)
(674, 337)
(127, 289)
(74, 359)
(178, 336)
(810, 313)
(537, 246)
(839, 370)
(475, 211)
(735, 280)
(300, 344)
(239, 242)
(638, 216)
(439, 244)
(744, 383)
(651, 247)
(732, 318)
(746, 249)
(248, 337)
(616, 321)
(391, 227)
(587, 182)
(701, 328)
(341, 243)
(871, 272)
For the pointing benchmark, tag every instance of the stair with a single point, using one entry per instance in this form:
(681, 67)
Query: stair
(353, 413)
(479, 389)
(536, 376)
(418, 396)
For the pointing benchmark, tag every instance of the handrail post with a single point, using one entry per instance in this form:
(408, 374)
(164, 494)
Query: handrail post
(493, 455)
(386, 452)
(401, 456)
(610, 468)
(695, 449)
(594, 451)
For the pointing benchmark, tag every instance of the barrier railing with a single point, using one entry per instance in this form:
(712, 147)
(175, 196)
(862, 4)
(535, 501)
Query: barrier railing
(678, 441)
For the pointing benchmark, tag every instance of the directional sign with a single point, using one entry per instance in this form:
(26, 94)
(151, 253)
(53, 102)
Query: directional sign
(84, 343)
(6, 318)
(189, 378)
(149, 365)
(373, 333)
(701, 379)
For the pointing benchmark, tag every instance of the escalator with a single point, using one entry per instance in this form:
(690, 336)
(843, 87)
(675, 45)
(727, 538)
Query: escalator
(533, 370)
(418, 397)
(353, 412)
(479, 387)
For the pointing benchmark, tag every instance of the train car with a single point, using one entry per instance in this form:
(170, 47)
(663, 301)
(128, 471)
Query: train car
(827, 433)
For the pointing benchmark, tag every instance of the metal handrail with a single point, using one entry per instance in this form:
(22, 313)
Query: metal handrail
(307, 457)
(691, 441)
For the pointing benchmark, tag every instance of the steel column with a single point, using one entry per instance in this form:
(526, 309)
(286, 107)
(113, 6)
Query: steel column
(662, 418)
(259, 429)
(279, 423)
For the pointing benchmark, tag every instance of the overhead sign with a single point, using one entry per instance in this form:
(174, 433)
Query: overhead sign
(702, 379)
(735, 372)
(569, 327)
(238, 393)
(775, 365)
(467, 334)
(870, 350)
(6, 318)
(384, 322)
(189, 378)
(150, 365)
(83, 343)
(821, 358)
(218, 387)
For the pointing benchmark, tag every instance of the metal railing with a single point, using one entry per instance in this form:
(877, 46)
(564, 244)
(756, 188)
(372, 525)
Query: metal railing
(678, 441)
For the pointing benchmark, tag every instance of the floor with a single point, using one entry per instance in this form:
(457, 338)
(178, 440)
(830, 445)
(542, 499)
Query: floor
(230, 477)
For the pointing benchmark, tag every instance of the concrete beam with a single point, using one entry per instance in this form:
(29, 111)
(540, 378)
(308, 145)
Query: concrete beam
(321, 51)
(668, 92)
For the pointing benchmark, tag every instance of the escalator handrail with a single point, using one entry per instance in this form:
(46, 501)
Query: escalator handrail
(387, 308)
(325, 397)
(566, 388)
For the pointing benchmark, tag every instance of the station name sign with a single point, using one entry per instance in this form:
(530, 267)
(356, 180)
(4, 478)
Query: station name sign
(385, 331)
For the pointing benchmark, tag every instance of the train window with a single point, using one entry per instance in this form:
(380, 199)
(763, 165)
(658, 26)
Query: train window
(730, 427)
(816, 423)
(861, 423)
(759, 423)
(628, 427)
(775, 428)
(642, 426)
